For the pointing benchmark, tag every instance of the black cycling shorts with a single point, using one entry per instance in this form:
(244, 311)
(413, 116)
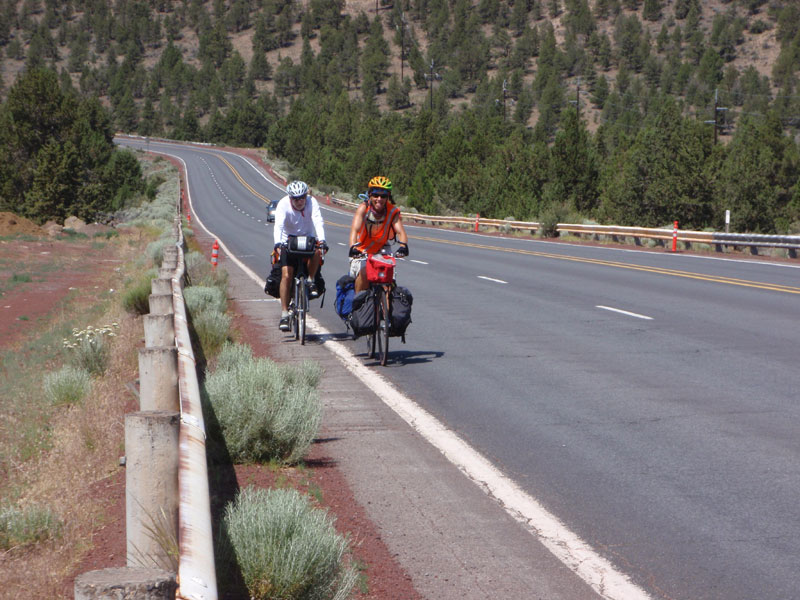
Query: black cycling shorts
(290, 261)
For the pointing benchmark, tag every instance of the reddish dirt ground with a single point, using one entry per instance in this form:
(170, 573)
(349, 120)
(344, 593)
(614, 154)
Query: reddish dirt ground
(27, 304)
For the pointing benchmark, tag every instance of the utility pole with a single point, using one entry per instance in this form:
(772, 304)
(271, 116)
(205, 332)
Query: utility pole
(402, 27)
(430, 78)
(577, 101)
(505, 89)
(717, 109)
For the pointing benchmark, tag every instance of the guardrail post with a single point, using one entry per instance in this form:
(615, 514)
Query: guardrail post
(159, 330)
(160, 304)
(477, 219)
(158, 378)
(160, 286)
(151, 488)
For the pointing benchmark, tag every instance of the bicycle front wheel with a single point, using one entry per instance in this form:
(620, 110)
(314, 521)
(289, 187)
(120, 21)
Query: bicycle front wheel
(382, 332)
(297, 310)
(303, 311)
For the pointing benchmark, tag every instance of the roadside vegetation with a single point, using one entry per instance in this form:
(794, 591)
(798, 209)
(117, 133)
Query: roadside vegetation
(67, 388)
(64, 390)
(626, 112)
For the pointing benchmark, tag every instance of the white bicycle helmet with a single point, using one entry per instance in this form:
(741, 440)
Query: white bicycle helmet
(297, 189)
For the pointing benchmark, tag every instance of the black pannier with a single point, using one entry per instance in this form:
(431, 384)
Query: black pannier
(362, 319)
(401, 311)
(273, 284)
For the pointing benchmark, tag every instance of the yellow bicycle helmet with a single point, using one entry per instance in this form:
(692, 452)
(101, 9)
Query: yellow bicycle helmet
(380, 182)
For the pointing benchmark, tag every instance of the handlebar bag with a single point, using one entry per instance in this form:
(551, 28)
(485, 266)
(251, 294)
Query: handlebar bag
(380, 269)
(302, 245)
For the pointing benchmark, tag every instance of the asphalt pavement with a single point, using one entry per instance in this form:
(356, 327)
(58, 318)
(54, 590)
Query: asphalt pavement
(453, 540)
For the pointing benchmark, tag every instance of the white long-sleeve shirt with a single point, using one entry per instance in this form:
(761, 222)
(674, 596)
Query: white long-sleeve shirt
(289, 221)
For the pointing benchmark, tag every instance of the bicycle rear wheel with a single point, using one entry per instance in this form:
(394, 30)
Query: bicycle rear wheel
(382, 332)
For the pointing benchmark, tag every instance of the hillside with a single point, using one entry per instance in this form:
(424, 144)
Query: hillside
(58, 33)
(466, 103)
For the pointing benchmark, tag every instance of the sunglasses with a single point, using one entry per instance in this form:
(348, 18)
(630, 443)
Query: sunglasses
(299, 198)
(379, 195)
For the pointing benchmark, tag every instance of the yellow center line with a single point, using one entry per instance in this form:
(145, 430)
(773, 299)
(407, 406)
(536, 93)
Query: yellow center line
(607, 263)
(621, 265)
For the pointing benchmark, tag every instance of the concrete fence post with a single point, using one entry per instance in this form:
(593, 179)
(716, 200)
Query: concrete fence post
(159, 330)
(151, 489)
(158, 378)
(159, 285)
(161, 304)
(126, 582)
(165, 271)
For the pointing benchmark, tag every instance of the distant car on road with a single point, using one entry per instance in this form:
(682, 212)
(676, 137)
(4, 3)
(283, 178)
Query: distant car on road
(271, 207)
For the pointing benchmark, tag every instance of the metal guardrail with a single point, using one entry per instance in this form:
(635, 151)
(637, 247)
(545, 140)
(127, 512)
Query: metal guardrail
(719, 240)
(196, 570)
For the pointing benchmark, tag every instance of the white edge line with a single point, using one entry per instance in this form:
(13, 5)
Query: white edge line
(576, 554)
(572, 551)
(624, 312)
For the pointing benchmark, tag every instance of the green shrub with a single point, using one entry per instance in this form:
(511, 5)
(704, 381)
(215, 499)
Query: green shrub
(89, 349)
(21, 527)
(68, 386)
(136, 299)
(285, 548)
(265, 411)
(200, 298)
(155, 250)
(213, 329)
(232, 355)
(550, 218)
(199, 272)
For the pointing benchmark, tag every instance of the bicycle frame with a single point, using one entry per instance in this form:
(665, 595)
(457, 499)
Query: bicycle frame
(298, 308)
(378, 340)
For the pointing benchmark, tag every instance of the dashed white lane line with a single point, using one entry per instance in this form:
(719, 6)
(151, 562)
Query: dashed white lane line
(570, 549)
(491, 279)
(625, 312)
(419, 262)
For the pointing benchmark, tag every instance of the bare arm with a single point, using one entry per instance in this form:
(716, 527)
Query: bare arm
(399, 230)
(358, 222)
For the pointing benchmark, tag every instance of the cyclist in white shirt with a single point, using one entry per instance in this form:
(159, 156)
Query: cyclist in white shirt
(297, 213)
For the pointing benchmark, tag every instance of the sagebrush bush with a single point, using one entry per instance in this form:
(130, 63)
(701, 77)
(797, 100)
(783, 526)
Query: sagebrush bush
(200, 298)
(265, 411)
(136, 298)
(213, 329)
(155, 250)
(550, 218)
(286, 548)
(232, 354)
(23, 526)
(199, 272)
(67, 386)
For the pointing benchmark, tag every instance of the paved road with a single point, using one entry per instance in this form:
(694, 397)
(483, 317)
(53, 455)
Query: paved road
(647, 400)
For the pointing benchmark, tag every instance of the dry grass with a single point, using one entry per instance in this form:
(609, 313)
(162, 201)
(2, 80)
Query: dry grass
(86, 443)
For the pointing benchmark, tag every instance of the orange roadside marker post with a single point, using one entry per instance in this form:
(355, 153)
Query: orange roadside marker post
(214, 254)
(675, 237)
